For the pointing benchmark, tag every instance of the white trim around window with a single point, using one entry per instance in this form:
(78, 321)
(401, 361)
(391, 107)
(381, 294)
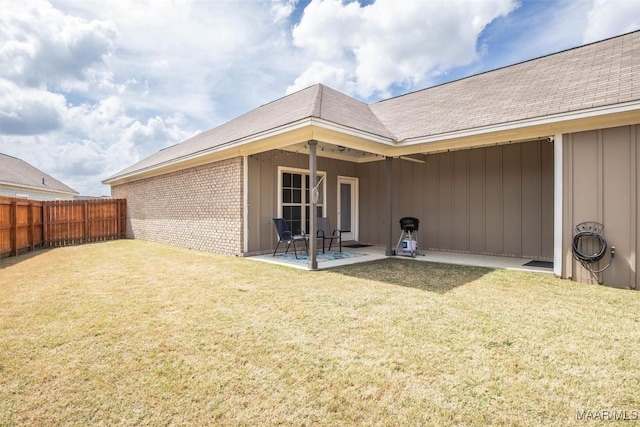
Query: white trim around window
(303, 202)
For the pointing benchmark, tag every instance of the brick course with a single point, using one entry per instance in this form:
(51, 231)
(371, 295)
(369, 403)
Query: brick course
(198, 208)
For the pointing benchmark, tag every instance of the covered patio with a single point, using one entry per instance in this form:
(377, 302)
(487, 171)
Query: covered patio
(377, 252)
(486, 205)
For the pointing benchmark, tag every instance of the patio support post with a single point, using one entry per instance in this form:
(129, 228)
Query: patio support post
(313, 177)
(558, 256)
(389, 206)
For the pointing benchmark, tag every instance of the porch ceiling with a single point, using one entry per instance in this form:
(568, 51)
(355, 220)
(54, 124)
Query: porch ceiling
(338, 152)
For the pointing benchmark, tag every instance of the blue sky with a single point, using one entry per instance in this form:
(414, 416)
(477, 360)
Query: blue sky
(89, 87)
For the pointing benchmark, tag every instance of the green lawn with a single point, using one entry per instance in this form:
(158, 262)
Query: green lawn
(135, 333)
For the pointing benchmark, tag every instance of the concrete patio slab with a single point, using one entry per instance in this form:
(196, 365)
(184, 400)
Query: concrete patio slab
(372, 253)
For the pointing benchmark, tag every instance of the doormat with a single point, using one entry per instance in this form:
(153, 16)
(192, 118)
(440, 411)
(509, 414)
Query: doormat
(536, 263)
(356, 245)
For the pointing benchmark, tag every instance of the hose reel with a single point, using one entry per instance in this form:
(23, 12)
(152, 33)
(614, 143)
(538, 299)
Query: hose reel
(589, 247)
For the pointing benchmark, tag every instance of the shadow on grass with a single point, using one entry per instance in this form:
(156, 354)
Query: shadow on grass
(10, 261)
(426, 276)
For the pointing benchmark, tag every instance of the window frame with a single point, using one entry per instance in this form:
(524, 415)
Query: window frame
(303, 203)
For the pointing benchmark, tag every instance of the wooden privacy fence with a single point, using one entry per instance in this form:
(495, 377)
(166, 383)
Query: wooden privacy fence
(27, 224)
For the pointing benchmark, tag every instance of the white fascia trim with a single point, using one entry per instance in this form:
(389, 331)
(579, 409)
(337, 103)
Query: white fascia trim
(310, 121)
(228, 145)
(546, 120)
(38, 189)
(325, 124)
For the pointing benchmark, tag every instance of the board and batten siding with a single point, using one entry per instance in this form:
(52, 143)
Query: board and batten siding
(263, 192)
(493, 200)
(600, 183)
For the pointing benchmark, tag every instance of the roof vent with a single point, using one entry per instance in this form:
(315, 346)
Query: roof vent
(43, 181)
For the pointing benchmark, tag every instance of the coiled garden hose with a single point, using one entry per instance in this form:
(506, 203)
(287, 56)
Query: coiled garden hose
(589, 258)
(589, 235)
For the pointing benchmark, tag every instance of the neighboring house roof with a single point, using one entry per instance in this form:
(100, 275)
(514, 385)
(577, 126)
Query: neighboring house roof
(17, 172)
(586, 78)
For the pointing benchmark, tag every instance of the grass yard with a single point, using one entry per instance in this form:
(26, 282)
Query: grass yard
(135, 333)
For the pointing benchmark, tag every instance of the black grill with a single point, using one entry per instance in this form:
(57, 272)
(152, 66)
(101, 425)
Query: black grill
(409, 223)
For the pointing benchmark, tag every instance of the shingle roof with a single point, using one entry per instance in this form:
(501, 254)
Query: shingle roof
(18, 172)
(339, 108)
(282, 111)
(316, 101)
(599, 74)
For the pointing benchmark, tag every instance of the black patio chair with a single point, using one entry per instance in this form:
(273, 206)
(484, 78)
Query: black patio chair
(324, 233)
(285, 235)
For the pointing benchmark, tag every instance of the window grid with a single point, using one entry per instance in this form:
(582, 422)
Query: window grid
(295, 196)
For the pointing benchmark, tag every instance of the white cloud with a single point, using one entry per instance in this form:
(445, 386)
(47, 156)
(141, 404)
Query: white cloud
(93, 87)
(329, 29)
(188, 53)
(97, 141)
(335, 77)
(45, 47)
(87, 88)
(109, 139)
(608, 18)
(389, 43)
(28, 111)
(282, 9)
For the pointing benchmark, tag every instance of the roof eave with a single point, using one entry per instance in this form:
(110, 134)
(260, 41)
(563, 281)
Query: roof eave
(248, 140)
(566, 122)
(228, 145)
(551, 122)
(39, 189)
(326, 124)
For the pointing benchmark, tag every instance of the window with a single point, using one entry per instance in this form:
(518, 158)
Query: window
(294, 197)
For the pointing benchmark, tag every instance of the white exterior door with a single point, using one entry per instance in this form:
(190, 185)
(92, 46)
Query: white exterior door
(348, 207)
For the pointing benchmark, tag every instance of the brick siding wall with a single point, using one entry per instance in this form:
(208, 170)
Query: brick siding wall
(198, 208)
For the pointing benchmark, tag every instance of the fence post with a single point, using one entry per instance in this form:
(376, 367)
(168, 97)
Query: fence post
(45, 224)
(118, 226)
(13, 221)
(123, 218)
(31, 227)
(86, 221)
